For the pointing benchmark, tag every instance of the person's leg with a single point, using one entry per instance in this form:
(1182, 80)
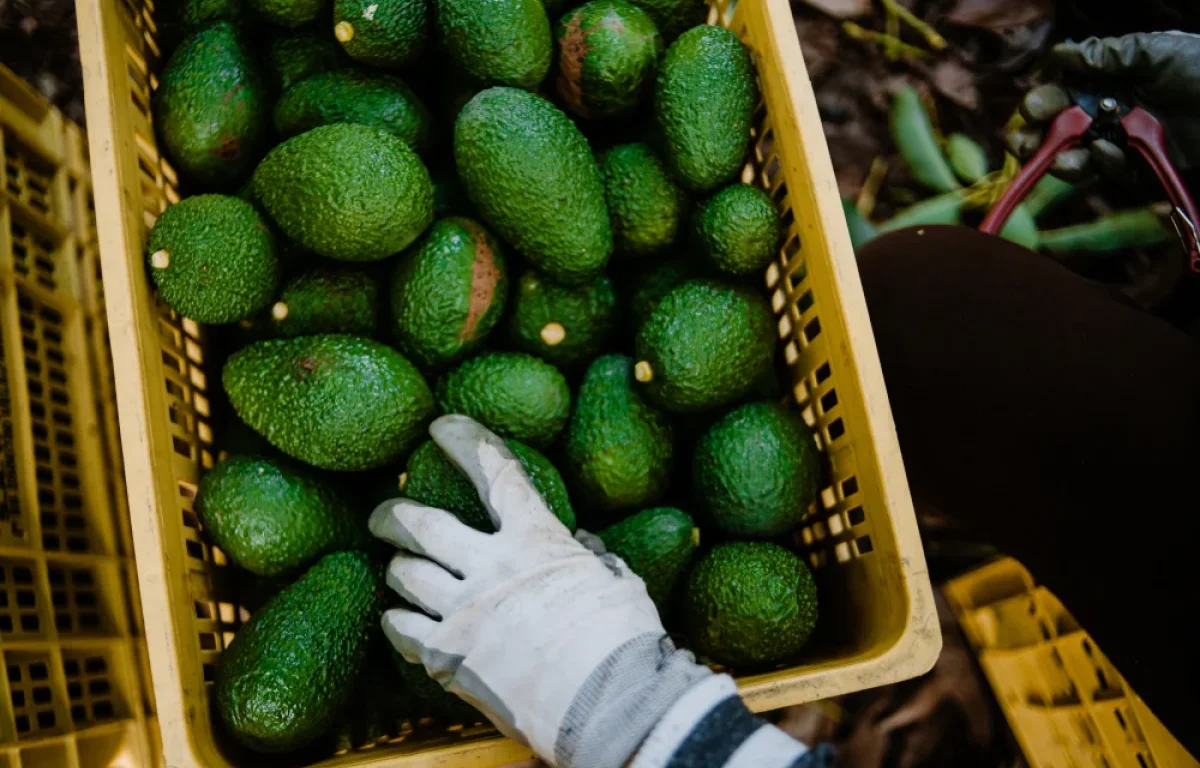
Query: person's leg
(1060, 424)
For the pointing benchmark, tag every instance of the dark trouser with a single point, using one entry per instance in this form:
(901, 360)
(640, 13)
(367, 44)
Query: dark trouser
(1060, 425)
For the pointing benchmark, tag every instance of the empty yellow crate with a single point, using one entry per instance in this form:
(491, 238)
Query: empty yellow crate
(1066, 704)
(878, 623)
(75, 690)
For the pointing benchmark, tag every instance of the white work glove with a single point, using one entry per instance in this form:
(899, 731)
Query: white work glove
(562, 649)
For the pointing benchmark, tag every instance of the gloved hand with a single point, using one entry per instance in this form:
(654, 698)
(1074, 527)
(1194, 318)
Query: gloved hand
(562, 649)
(1161, 69)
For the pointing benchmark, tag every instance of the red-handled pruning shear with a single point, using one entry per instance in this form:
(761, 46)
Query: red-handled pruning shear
(1106, 117)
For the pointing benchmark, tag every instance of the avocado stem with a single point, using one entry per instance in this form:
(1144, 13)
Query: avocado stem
(553, 334)
(643, 372)
(343, 31)
(402, 482)
(280, 311)
(160, 259)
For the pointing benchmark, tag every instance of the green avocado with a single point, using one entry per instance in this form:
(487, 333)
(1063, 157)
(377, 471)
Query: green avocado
(382, 33)
(672, 17)
(513, 394)
(346, 191)
(290, 671)
(704, 103)
(531, 174)
(214, 259)
(351, 96)
(501, 42)
(646, 206)
(749, 603)
(619, 450)
(607, 56)
(433, 480)
(564, 325)
(211, 109)
(330, 299)
(649, 285)
(738, 230)
(295, 55)
(271, 519)
(705, 346)
(756, 471)
(448, 292)
(337, 402)
(657, 544)
(429, 699)
(177, 20)
(289, 13)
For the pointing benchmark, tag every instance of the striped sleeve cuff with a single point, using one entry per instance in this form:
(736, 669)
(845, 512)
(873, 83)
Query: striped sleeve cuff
(710, 727)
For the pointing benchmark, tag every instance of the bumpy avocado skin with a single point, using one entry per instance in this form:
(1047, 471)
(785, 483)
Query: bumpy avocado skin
(565, 325)
(738, 230)
(531, 174)
(705, 345)
(619, 449)
(221, 260)
(290, 671)
(383, 33)
(448, 292)
(704, 104)
(607, 56)
(501, 42)
(346, 191)
(750, 603)
(648, 209)
(212, 109)
(337, 402)
(756, 471)
(513, 394)
(352, 96)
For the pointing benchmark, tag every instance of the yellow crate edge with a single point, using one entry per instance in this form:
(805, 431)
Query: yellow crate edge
(1164, 748)
(916, 650)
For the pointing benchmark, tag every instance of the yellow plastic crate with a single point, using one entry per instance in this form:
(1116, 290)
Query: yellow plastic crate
(75, 690)
(878, 622)
(1066, 704)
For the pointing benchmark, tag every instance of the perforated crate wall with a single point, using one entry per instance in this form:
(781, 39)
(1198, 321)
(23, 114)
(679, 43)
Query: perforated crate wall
(1065, 702)
(70, 693)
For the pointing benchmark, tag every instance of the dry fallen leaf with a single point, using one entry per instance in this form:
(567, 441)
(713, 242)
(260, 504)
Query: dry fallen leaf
(957, 83)
(1000, 15)
(842, 9)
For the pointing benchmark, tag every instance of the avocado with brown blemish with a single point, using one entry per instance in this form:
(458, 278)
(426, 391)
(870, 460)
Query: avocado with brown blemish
(212, 110)
(607, 55)
(448, 292)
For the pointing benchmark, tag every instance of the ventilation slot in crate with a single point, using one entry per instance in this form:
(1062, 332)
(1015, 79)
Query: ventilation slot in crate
(33, 253)
(91, 690)
(27, 177)
(21, 608)
(56, 457)
(31, 689)
(75, 592)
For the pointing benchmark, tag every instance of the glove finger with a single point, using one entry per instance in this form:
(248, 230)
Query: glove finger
(426, 585)
(1044, 103)
(408, 632)
(432, 532)
(1099, 56)
(1024, 142)
(1108, 159)
(1073, 165)
(498, 477)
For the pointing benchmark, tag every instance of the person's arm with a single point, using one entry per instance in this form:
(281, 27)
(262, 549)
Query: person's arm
(561, 648)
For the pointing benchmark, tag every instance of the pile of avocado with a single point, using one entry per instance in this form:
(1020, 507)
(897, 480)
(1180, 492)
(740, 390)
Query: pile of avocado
(527, 212)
